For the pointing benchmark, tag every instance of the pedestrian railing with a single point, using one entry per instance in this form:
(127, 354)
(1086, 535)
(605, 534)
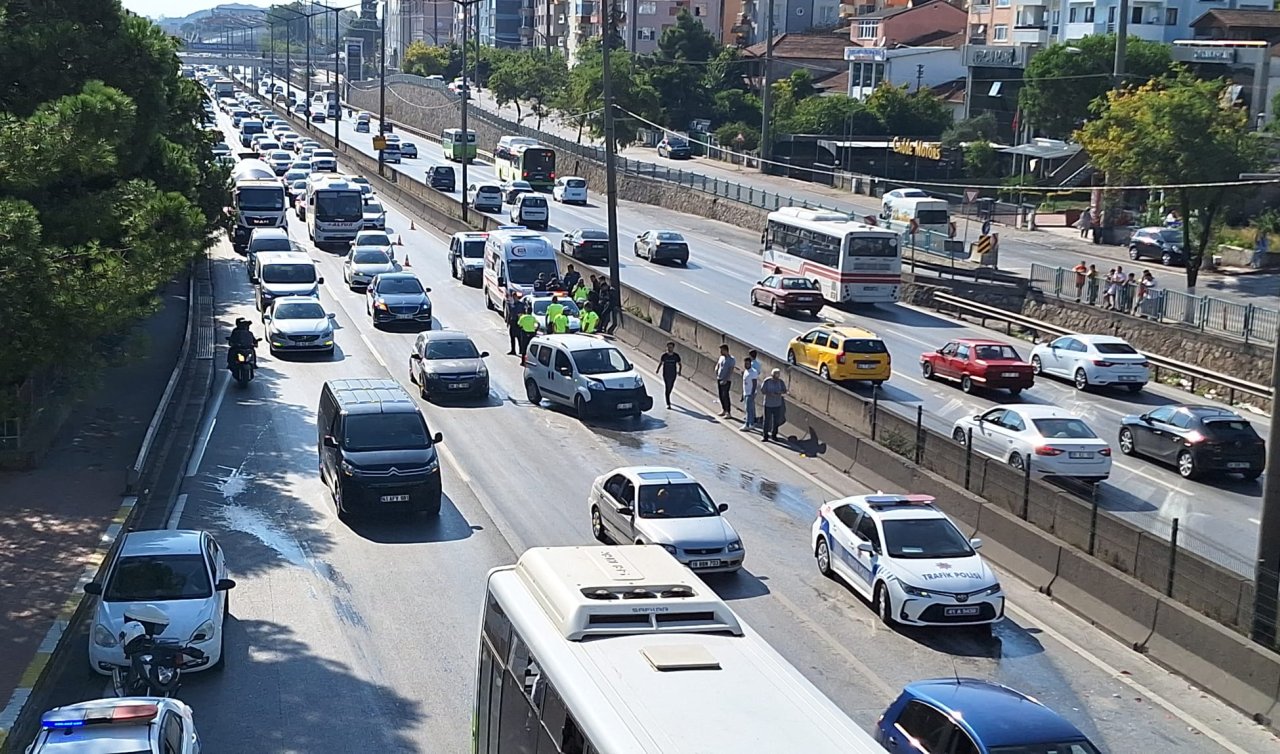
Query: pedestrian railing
(1249, 322)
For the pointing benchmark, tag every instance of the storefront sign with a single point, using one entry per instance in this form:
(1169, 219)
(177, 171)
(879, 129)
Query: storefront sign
(1212, 55)
(865, 54)
(930, 150)
(994, 56)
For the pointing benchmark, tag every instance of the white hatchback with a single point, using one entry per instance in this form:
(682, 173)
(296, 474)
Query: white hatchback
(1092, 360)
(570, 189)
(1046, 439)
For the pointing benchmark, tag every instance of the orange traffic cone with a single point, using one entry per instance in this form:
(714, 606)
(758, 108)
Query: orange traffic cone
(411, 225)
(399, 240)
(407, 263)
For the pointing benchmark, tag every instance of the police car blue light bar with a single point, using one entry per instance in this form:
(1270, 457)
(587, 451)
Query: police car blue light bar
(114, 711)
(899, 499)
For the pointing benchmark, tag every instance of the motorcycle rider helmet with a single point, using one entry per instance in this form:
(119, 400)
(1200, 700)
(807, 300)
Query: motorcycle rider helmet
(133, 637)
(152, 619)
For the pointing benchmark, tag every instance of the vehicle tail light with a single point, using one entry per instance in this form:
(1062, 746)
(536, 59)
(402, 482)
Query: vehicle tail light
(553, 175)
(1194, 437)
(1100, 363)
(1048, 450)
(1105, 452)
(1144, 364)
(840, 358)
(525, 174)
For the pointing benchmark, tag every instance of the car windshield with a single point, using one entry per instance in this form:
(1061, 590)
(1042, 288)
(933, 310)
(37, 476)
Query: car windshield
(601, 361)
(373, 208)
(673, 237)
(924, 538)
(373, 239)
(473, 249)
(282, 155)
(270, 244)
(260, 199)
(570, 308)
(683, 500)
(1070, 747)
(399, 286)
(370, 256)
(147, 578)
(525, 271)
(344, 205)
(798, 284)
(289, 273)
(1063, 429)
(997, 353)
(1115, 348)
(300, 185)
(306, 310)
(366, 432)
(453, 348)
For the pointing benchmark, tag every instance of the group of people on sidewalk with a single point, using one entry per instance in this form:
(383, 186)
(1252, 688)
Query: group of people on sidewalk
(1121, 291)
(772, 389)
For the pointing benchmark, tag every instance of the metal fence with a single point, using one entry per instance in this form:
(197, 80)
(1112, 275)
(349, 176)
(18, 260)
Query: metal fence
(1248, 322)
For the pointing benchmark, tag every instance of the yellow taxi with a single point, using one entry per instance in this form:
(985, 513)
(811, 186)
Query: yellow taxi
(841, 352)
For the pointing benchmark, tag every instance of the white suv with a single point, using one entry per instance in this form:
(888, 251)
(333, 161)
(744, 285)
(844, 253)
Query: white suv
(584, 372)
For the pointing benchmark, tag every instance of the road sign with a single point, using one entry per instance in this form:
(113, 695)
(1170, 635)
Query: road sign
(986, 227)
(985, 244)
(379, 142)
(970, 195)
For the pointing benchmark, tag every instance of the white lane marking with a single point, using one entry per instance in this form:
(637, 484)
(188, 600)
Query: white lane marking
(752, 312)
(1027, 619)
(211, 419)
(178, 508)
(447, 455)
(796, 330)
(369, 344)
(696, 288)
(1254, 521)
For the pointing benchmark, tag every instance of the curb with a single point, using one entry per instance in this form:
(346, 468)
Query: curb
(37, 671)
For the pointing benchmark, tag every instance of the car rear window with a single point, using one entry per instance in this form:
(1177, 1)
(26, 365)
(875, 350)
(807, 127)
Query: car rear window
(1063, 429)
(1115, 348)
(488, 190)
(534, 201)
(1228, 426)
(576, 184)
(864, 345)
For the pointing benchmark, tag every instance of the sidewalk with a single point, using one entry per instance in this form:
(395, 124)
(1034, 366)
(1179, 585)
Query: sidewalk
(53, 519)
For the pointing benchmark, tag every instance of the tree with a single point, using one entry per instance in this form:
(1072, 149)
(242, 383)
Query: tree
(728, 136)
(107, 186)
(981, 159)
(582, 100)
(735, 106)
(423, 59)
(687, 40)
(908, 114)
(1064, 78)
(1174, 131)
(834, 114)
(978, 128)
(536, 77)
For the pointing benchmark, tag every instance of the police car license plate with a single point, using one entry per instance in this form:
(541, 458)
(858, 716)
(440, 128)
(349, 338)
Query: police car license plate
(625, 405)
(1237, 465)
(1081, 454)
(459, 385)
(961, 611)
(704, 564)
(394, 498)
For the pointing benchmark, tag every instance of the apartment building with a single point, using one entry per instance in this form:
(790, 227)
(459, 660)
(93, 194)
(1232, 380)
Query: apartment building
(1042, 22)
(409, 21)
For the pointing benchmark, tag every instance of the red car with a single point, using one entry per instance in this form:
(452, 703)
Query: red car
(788, 293)
(978, 363)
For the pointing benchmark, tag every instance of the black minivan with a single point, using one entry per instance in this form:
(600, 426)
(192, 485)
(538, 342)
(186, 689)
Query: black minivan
(376, 452)
(441, 178)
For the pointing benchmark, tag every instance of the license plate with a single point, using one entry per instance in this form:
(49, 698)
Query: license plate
(1080, 454)
(1129, 378)
(459, 385)
(867, 366)
(394, 498)
(404, 316)
(625, 405)
(1237, 465)
(704, 564)
(1008, 374)
(961, 611)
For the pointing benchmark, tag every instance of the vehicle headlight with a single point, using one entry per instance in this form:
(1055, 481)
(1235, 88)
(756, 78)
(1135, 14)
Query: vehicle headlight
(669, 548)
(482, 372)
(735, 546)
(914, 592)
(380, 304)
(103, 636)
(347, 468)
(639, 382)
(595, 385)
(993, 589)
(203, 633)
(433, 465)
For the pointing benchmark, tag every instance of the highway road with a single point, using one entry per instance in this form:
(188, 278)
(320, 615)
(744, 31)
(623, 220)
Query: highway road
(1218, 518)
(362, 637)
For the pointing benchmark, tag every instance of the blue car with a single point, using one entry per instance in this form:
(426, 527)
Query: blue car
(972, 716)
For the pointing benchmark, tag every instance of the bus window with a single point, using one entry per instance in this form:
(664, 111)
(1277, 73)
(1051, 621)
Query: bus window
(497, 628)
(862, 246)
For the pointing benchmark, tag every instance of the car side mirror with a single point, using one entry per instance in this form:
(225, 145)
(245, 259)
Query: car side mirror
(979, 418)
(415, 357)
(332, 316)
(722, 507)
(437, 438)
(225, 585)
(976, 543)
(566, 371)
(320, 281)
(1146, 418)
(426, 290)
(93, 587)
(484, 354)
(938, 351)
(502, 280)
(330, 441)
(626, 511)
(866, 547)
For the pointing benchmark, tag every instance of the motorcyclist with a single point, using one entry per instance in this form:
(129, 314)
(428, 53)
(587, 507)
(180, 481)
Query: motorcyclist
(241, 340)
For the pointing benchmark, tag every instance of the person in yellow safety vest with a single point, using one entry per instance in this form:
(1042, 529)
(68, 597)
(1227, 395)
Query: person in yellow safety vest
(553, 310)
(528, 325)
(589, 320)
(581, 293)
(560, 323)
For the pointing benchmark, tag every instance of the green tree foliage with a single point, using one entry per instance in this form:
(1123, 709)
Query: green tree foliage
(107, 186)
(908, 114)
(979, 128)
(728, 135)
(1175, 131)
(537, 77)
(981, 159)
(422, 59)
(687, 40)
(1064, 78)
(582, 101)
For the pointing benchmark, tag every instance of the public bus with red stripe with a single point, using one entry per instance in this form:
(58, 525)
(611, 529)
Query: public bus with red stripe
(852, 262)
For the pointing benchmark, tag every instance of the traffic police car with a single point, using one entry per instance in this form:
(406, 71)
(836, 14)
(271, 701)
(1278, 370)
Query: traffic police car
(141, 724)
(906, 557)
(540, 301)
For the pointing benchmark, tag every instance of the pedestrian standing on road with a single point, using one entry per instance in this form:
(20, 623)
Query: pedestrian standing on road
(1146, 290)
(615, 309)
(1085, 223)
(593, 295)
(724, 377)
(553, 310)
(1099, 221)
(514, 313)
(606, 306)
(1091, 283)
(528, 328)
(750, 387)
(571, 279)
(670, 368)
(581, 293)
(775, 406)
(1082, 276)
(1261, 245)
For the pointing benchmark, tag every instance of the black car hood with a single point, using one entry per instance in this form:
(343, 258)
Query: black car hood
(452, 366)
(404, 299)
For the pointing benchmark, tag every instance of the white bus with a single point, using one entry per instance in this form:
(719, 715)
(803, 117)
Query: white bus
(852, 262)
(622, 650)
(514, 256)
(334, 209)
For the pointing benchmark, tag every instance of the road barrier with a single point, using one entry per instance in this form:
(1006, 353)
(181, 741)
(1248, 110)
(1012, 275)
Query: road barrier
(1174, 604)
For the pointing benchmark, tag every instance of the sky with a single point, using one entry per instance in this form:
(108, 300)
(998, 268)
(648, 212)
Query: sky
(180, 8)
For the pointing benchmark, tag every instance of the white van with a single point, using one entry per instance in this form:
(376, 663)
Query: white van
(927, 213)
(570, 189)
(513, 259)
(585, 372)
(284, 273)
(531, 211)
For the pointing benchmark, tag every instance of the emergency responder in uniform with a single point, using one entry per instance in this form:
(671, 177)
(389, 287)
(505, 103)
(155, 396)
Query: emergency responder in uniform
(553, 311)
(560, 322)
(588, 319)
(528, 328)
(514, 310)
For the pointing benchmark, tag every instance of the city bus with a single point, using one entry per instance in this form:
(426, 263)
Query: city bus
(852, 262)
(457, 148)
(622, 650)
(517, 158)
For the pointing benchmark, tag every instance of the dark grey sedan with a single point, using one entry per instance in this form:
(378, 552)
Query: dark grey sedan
(445, 364)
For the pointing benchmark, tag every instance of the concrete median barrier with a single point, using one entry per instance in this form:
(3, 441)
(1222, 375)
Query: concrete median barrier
(1115, 603)
(1018, 546)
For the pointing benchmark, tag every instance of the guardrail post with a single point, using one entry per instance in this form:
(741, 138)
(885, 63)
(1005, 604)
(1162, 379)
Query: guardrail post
(875, 409)
(968, 456)
(1026, 488)
(1173, 558)
(1204, 312)
(1057, 282)
(1093, 519)
(919, 432)
(1248, 322)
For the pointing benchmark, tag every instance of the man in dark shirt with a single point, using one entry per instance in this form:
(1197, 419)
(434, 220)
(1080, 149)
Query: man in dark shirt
(670, 368)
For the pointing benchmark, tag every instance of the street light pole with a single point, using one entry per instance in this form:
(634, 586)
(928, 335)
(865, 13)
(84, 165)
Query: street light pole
(610, 160)
(766, 92)
(382, 89)
(1266, 590)
(307, 101)
(337, 101)
(466, 99)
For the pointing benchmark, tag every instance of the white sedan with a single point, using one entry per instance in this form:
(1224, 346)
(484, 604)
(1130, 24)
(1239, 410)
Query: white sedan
(906, 557)
(142, 724)
(181, 572)
(1092, 360)
(1046, 439)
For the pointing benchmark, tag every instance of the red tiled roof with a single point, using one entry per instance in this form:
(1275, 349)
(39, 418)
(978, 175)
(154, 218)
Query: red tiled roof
(1260, 19)
(804, 46)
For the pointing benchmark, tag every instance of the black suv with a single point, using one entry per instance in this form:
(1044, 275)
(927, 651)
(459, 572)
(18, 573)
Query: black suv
(441, 178)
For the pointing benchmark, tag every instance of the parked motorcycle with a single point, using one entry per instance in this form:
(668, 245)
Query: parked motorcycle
(154, 665)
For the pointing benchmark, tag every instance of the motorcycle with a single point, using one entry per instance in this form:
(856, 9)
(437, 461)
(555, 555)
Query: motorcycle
(154, 665)
(243, 365)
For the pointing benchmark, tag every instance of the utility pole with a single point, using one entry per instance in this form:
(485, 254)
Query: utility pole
(272, 28)
(307, 101)
(337, 100)
(633, 24)
(549, 2)
(466, 97)
(1267, 573)
(610, 156)
(766, 93)
(1122, 43)
(382, 88)
(919, 77)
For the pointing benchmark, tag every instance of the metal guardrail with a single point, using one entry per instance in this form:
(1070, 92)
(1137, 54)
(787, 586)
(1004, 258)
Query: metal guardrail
(1253, 324)
(1196, 374)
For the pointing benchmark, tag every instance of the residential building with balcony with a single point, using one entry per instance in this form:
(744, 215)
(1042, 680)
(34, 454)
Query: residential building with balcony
(409, 21)
(496, 23)
(647, 19)
(1043, 22)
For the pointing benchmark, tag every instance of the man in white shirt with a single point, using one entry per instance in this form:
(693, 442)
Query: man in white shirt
(750, 387)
